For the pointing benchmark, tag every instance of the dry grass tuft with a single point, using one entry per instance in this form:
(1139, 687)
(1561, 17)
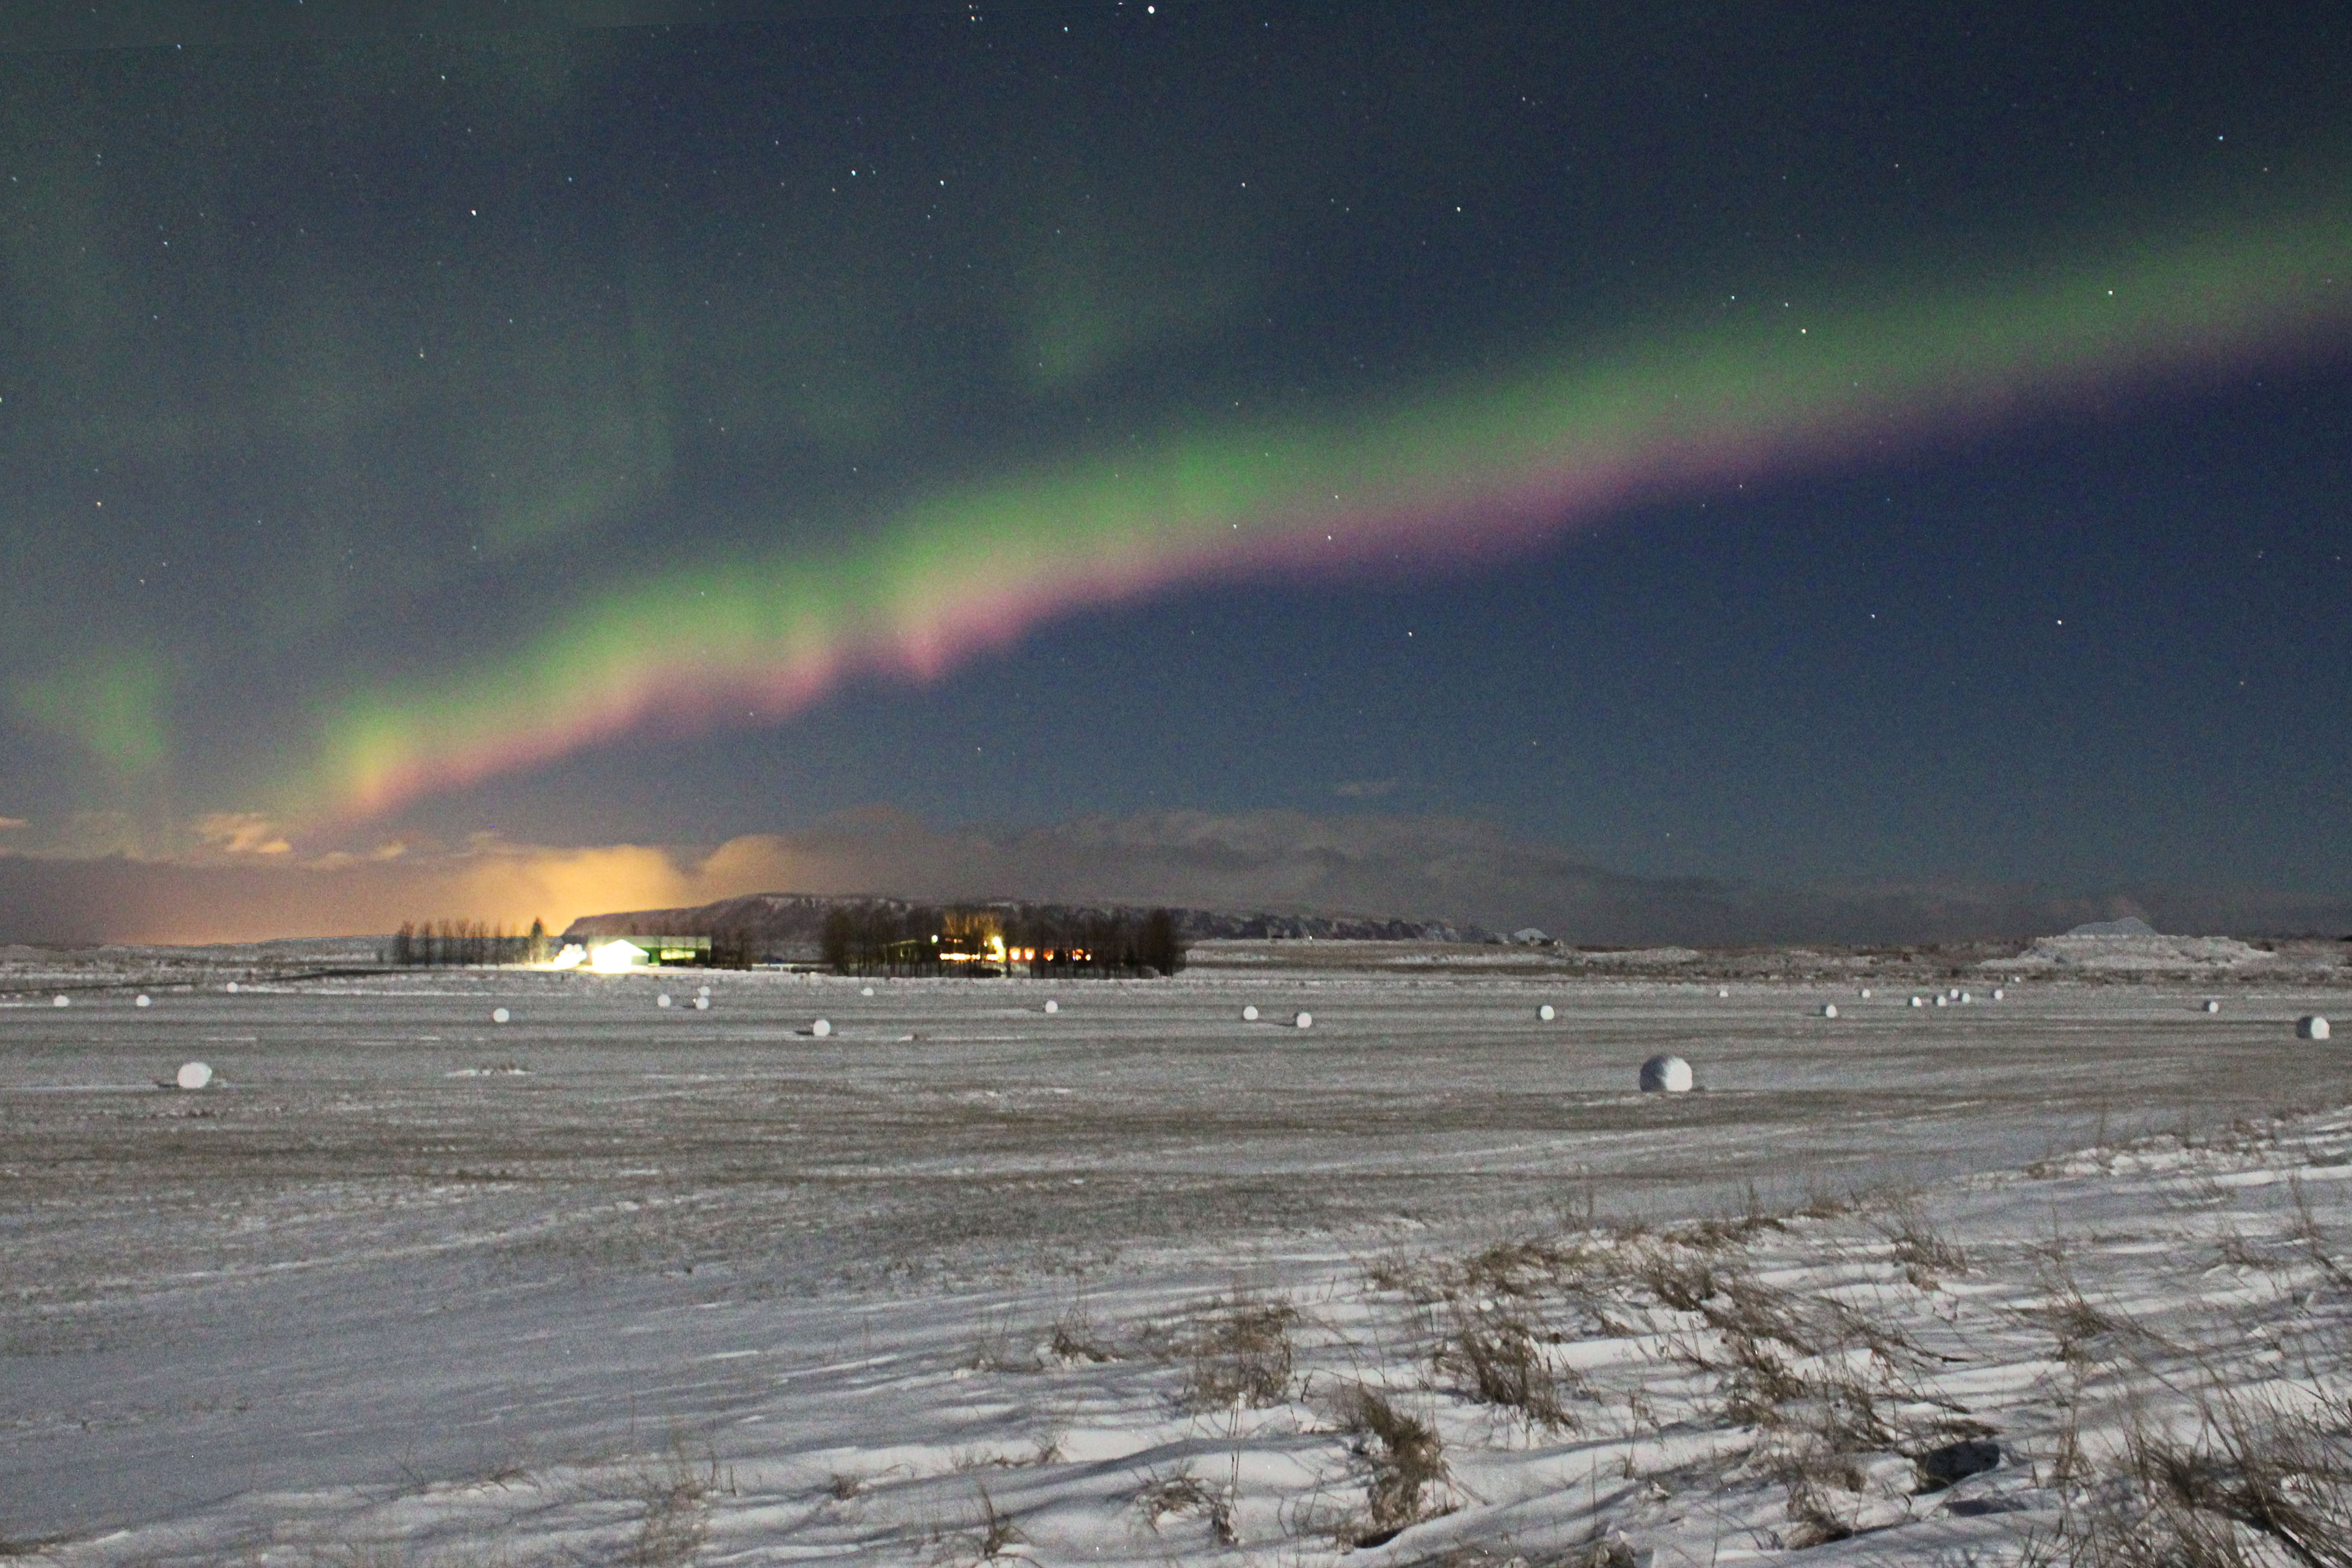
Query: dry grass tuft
(1678, 1281)
(1749, 1321)
(1240, 1353)
(2285, 1476)
(1074, 1339)
(1408, 1462)
(2307, 1233)
(1613, 1552)
(1834, 1418)
(1740, 1307)
(985, 1535)
(1923, 1253)
(2252, 1485)
(1498, 1359)
(996, 1531)
(996, 1350)
(1412, 1278)
(1813, 1508)
(2082, 1328)
(1720, 1233)
(1821, 1204)
(1609, 1552)
(1183, 1492)
(1755, 1381)
(676, 1495)
(1523, 1268)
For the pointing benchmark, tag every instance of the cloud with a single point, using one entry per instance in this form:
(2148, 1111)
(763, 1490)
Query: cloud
(1364, 789)
(1413, 867)
(242, 833)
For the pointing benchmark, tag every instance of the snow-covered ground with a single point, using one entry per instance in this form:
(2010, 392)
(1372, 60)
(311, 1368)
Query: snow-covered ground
(1137, 1280)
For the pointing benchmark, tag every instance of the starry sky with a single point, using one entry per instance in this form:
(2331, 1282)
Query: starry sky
(1889, 446)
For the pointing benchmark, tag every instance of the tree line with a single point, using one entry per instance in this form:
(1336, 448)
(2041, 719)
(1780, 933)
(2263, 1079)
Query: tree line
(425, 943)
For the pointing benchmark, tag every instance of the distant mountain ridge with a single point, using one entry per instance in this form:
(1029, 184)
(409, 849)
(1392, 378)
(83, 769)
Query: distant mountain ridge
(791, 926)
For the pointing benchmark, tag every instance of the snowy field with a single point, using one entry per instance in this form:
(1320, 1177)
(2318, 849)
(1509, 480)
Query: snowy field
(1136, 1281)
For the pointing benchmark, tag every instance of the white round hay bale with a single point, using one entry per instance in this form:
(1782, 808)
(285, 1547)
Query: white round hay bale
(662, 1000)
(1865, 992)
(145, 1001)
(1998, 994)
(821, 1029)
(702, 1004)
(1546, 1013)
(1967, 999)
(232, 987)
(868, 992)
(194, 1075)
(1052, 1006)
(2311, 1027)
(1722, 990)
(1249, 1014)
(1665, 1075)
(1953, 994)
(1943, 1001)
(2212, 1006)
(499, 1015)
(1919, 1002)
(1829, 1009)
(1305, 1020)
(62, 1002)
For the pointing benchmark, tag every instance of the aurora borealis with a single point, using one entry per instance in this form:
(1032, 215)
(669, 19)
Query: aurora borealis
(975, 568)
(1652, 437)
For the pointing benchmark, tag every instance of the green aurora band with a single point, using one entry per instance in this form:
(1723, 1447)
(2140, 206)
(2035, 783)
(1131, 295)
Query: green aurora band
(1459, 471)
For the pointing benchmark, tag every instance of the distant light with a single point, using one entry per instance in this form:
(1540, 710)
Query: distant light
(615, 957)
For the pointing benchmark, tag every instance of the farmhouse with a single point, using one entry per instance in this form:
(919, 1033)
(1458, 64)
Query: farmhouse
(620, 954)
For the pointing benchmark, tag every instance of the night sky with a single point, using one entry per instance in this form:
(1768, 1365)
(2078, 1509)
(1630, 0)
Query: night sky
(1891, 444)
